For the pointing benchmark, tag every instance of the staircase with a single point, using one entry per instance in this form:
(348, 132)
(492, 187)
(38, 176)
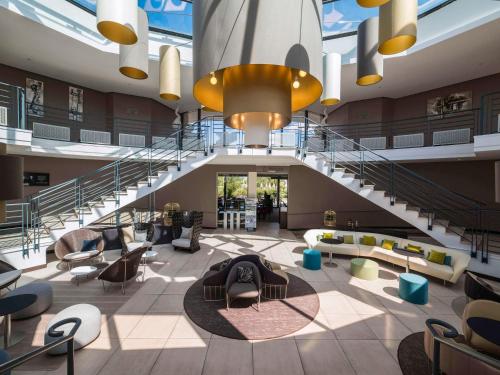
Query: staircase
(450, 218)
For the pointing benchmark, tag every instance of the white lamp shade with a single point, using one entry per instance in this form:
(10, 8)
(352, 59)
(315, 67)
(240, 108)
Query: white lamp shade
(332, 66)
(257, 129)
(134, 59)
(370, 63)
(398, 26)
(117, 20)
(170, 73)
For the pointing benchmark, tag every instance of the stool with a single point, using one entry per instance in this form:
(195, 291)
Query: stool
(312, 259)
(413, 288)
(44, 294)
(365, 269)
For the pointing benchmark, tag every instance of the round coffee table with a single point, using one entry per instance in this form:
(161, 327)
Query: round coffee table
(148, 256)
(82, 272)
(11, 305)
(331, 241)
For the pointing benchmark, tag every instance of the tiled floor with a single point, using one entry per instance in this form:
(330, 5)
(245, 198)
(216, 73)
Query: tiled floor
(357, 330)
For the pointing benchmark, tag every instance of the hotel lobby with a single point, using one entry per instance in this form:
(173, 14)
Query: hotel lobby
(256, 187)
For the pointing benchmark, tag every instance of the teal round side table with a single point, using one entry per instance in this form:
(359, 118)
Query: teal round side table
(312, 259)
(414, 288)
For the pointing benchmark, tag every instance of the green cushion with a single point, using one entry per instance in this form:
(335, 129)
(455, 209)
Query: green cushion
(368, 241)
(327, 235)
(388, 244)
(436, 257)
(349, 239)
(414, 248)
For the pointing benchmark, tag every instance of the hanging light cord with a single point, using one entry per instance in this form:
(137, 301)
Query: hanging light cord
(231, 33)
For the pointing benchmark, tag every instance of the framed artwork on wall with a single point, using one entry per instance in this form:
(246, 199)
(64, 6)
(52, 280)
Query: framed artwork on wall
(34, 97)
(456, 102)
(75, 103)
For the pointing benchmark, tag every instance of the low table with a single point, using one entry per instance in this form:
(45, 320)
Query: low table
(82, 272)
(488, 329)
(408, 254)
(80, 256)
(9, 306)
(147, 257)
(331, 241)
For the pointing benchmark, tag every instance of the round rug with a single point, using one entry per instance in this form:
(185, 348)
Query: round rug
(411, 355)
(244, 322)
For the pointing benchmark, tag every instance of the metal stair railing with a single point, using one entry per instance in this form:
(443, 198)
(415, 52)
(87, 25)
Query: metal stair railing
(73, 199)
(458, 214)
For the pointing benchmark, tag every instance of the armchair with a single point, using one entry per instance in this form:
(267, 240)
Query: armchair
(69, 247)
(235, 289)
(451, 353)
(194, 220)
(124, 268)
(477, 288)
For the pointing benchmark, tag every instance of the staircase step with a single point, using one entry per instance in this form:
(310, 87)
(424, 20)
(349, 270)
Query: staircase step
(456, 230)
(412, 208)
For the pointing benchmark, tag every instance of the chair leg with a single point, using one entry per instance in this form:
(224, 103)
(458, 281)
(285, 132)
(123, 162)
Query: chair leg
(103, 285)
(227, 302)
(258, 303)
(123, 287)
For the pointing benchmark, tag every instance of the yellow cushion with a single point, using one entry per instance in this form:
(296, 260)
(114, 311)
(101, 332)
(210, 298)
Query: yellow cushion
(349, 239)
(368, 241)
(414, 248)
(436, 257)
(127, 234)
(327, 235)
(387, 244)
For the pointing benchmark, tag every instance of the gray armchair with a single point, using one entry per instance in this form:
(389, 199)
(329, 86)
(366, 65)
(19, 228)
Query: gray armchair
(235, 289)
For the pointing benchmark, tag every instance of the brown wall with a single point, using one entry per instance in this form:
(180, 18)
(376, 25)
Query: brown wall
(59, 169)
(131, 114)
(387, 109)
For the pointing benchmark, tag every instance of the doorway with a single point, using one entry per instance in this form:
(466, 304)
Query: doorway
(272, 199)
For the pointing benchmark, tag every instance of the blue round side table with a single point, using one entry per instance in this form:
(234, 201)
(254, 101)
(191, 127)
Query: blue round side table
(414, 288)
(312, 259)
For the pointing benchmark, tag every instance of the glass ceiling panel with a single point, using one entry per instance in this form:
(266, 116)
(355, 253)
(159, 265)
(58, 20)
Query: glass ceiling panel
(339, 17)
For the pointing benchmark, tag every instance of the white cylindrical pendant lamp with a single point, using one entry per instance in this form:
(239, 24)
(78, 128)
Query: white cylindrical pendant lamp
(332, 66)
(398, 26)
(134, 59)
(256, 129)
(371, 3)
(170, 73)
(117, 20)
(370, 63)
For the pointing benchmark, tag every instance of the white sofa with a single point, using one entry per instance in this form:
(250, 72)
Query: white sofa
(460, 258)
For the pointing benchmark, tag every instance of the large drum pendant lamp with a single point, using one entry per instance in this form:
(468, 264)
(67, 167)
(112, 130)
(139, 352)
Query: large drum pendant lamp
(170, 73)
(370, 63)
(332, 66)
(12, 181)
(134, 59)
(398, 26)
(117, 20)
(256, 130)
(372, 3)
(257, 76)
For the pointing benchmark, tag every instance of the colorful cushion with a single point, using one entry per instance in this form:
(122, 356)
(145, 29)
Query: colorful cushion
(245, 274)
(436, 257)
(387, 244)
(89, 245)
(328, 235)
(447, 260)
(349, 239)
(368, 241)
(127, 234)
(414, 248)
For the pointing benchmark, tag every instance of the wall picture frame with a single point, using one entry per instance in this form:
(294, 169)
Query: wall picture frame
(35, 97)
(75, 101)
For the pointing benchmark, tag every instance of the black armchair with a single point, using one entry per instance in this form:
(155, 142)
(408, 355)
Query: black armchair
(236, 289)
(477, 288)
(193, 220)
(124, 268)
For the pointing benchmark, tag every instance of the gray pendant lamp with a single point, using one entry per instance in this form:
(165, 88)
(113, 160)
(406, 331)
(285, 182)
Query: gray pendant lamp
(370, 63)
(134, 59)
(398, 26)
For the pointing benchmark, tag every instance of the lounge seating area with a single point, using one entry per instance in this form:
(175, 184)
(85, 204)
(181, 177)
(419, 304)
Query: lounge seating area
(352, 244)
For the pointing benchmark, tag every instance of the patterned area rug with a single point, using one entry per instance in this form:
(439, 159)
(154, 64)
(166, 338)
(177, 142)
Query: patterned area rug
(411, 355)
(244, 322)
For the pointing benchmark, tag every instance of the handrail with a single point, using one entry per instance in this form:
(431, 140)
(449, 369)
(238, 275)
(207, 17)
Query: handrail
(69, 339)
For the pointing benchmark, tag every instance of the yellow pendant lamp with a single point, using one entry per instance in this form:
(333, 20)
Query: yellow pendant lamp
(372, 3)
(398, 26)
(170, 73)
(117, 20)
(134, 59)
